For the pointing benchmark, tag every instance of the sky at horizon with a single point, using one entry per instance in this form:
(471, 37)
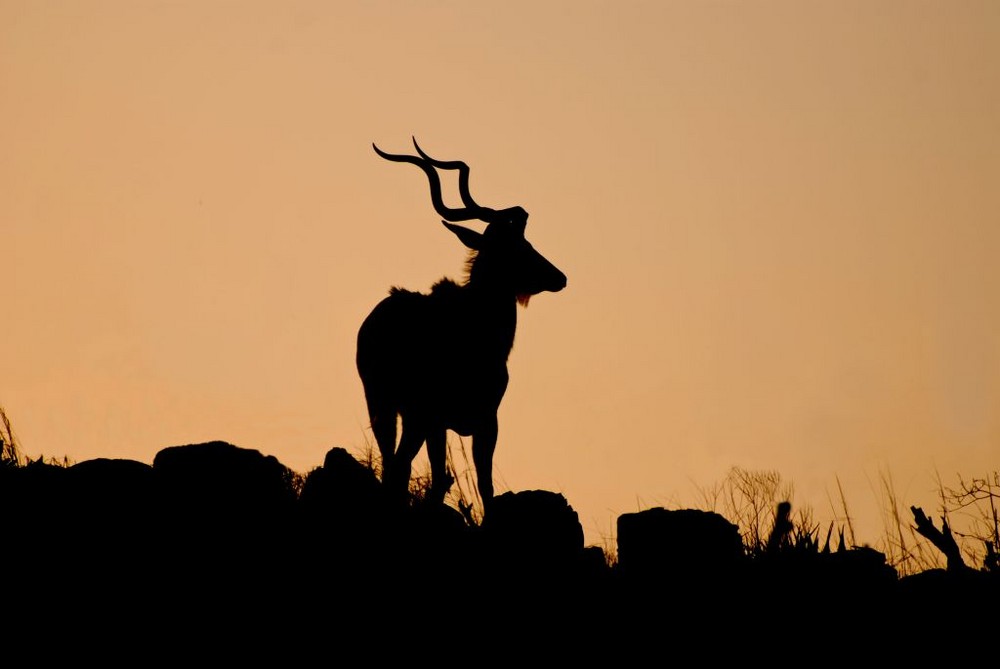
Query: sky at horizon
(778, 221)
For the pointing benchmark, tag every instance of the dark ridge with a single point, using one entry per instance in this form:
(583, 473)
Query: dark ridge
(215, 537)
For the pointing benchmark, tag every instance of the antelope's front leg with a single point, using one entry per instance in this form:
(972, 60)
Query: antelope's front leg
(484, 442)
(437, 453)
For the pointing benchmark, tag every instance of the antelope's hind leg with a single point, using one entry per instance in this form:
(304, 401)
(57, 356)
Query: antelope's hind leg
(437, 453)
(383, 423)
(398, 477)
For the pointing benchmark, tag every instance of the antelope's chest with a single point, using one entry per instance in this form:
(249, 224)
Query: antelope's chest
(463, 384)
(465, 409)
(462, 359)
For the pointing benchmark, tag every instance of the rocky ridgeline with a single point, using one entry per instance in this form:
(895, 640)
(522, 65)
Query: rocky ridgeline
(218, 532)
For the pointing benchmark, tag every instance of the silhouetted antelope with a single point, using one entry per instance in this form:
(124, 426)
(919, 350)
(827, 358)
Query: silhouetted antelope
(438, 360)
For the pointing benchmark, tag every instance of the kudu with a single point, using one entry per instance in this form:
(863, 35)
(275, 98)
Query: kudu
(438, 360)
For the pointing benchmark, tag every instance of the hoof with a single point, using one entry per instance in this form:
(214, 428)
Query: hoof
(439, 489)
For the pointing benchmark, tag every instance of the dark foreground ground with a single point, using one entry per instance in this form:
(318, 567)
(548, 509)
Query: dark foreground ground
(218, 554)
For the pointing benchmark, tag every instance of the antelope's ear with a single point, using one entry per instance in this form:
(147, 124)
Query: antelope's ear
(470, 238)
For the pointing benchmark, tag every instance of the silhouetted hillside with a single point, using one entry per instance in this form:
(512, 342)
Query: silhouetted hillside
(213, 532)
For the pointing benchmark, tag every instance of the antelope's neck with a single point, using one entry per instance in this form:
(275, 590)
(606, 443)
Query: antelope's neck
(494, 319)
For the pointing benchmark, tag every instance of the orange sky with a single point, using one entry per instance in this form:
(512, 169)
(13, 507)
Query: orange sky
(779, 221)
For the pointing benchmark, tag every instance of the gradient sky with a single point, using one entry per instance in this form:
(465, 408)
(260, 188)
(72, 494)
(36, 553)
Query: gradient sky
(779, 221)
